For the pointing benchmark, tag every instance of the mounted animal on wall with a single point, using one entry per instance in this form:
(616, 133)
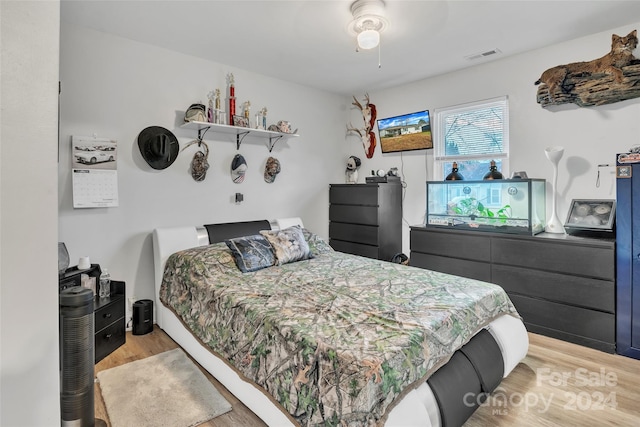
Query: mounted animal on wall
(366, 133)
(596, 82)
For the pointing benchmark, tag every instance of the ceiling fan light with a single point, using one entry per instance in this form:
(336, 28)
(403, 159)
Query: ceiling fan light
(368, 39)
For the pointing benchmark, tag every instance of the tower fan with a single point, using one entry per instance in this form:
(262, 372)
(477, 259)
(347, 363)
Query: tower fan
(77, 358)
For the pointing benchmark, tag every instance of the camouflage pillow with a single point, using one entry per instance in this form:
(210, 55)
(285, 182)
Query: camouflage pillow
(251, 253)
(316, 243)
(289, 244)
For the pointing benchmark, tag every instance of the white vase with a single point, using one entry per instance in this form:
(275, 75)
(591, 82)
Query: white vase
(554, 154)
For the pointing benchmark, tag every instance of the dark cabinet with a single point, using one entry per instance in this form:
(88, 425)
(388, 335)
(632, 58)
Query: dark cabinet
(109, 318)
(563, 286)
(628, 259)
(366, 219)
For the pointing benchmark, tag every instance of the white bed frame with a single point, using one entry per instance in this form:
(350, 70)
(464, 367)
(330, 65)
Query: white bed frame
(417, 409)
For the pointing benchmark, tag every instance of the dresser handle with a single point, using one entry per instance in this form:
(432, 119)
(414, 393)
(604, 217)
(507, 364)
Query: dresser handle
(108, 336)
(107, 315)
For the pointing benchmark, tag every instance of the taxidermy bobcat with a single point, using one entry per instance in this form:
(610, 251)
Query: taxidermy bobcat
(620, 56)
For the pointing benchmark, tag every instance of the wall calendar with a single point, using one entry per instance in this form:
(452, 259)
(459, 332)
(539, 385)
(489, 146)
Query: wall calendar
(94, 172)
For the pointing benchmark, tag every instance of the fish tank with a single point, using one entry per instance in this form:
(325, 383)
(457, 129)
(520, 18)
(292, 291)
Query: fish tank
(514, 206)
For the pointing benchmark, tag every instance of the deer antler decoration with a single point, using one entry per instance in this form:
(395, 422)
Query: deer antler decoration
(366, 133)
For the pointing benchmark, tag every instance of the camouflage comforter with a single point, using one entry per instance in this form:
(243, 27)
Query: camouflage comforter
(335, 340)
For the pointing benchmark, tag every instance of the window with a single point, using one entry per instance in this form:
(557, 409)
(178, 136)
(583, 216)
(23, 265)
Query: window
(472, 135)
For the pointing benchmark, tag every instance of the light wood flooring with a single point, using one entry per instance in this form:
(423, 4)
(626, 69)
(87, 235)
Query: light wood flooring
(557, 384)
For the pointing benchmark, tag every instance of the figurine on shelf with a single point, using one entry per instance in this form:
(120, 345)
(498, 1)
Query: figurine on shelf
(210, 109)
(218, 113)
(232, 97)
(263, 113)
(246, 109)
(217, 99)
(259, 120)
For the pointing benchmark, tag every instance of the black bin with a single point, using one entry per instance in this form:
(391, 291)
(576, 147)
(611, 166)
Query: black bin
(142, 317)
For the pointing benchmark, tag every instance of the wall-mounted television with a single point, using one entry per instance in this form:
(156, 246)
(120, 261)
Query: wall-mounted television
(406, 132)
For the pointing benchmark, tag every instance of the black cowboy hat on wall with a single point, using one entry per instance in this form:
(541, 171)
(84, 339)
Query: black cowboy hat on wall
(158, 146)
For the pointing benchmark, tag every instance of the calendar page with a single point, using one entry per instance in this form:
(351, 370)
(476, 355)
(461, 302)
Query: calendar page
(94, 172)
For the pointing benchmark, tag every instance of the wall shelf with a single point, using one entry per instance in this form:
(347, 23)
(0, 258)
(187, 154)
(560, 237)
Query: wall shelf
(239, 132)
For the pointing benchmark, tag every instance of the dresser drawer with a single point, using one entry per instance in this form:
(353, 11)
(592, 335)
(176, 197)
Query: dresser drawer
(367, 215)
(471, 269)
(568, 289)
(107, 314)
(566, 319)
(354, 248)
(109, 338)
(354, 194)
(464, 246)
(366, 234)
(584, 261)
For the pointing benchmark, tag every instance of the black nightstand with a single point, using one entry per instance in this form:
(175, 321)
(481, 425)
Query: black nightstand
(110, 324)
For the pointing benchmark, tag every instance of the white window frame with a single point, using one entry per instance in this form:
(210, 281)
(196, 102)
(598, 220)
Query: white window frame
(439, 136)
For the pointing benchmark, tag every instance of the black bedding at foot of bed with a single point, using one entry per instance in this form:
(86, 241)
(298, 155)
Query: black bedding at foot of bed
(465, 381)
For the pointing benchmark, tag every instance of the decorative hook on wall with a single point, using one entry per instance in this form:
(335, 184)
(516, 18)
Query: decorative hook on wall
(239, 139)
(605, 165)
(201, 133)
(272, 141)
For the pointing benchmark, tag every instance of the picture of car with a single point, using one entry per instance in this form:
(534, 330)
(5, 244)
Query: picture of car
(92, 156)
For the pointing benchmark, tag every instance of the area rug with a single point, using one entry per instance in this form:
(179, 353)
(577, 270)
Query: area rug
(165, 390)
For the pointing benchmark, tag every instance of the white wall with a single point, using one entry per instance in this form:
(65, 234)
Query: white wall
(114, 87)
(590, 135)
(29, 368)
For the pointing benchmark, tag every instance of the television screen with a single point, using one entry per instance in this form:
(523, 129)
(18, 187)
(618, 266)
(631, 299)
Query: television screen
(406, 132)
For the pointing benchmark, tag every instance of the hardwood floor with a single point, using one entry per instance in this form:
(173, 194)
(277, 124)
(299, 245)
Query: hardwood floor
(563, 384)
(557, 384)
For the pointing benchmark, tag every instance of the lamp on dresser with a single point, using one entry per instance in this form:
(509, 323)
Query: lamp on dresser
(554, 154)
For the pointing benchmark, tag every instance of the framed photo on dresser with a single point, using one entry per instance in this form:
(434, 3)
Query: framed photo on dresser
(591, 214)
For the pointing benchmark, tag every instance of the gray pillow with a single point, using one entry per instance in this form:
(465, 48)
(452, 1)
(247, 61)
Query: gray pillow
(289, 244)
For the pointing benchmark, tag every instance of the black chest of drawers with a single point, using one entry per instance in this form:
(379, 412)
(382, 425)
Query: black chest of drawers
(366, 219)
(110, 323)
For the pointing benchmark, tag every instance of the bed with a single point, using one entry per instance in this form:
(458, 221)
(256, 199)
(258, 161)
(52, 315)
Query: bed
(292, 373)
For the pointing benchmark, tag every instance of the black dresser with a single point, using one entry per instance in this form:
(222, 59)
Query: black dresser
(563, 286)
(366, 219)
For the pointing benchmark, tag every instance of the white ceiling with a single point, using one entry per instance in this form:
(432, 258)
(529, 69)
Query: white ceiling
(307, 42)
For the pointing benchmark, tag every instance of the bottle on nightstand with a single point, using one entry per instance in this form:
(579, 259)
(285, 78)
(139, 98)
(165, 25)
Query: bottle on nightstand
(105, 284)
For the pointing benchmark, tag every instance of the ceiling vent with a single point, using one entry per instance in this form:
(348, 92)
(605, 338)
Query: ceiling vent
(483, 54)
